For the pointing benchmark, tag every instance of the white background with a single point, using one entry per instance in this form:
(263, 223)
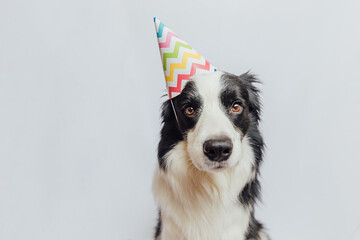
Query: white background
(80, 91)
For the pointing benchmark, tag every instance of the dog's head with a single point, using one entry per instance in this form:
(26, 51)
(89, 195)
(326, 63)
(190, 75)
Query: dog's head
(214, 113)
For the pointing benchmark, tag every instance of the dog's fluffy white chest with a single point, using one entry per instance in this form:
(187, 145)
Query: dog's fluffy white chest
(229, 224)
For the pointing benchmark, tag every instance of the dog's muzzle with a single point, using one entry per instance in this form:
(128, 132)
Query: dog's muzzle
(218, 150)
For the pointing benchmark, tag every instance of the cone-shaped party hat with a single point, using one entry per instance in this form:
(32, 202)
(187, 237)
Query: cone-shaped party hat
(180, 61)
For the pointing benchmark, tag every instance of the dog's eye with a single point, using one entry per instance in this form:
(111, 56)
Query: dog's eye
(189, 111)
(236, 107)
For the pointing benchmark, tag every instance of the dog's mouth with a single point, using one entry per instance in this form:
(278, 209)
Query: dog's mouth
(216, 166)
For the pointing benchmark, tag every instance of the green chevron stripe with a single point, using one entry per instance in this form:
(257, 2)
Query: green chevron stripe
(175, 53)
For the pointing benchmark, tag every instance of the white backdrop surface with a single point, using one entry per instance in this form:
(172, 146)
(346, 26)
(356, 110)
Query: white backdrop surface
(80, 87)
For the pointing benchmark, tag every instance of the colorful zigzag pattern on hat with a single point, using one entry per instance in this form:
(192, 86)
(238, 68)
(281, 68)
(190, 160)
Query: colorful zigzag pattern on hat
(180, 61)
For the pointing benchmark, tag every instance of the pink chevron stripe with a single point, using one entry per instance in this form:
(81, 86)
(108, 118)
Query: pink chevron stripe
(168, 40)
(182, 77)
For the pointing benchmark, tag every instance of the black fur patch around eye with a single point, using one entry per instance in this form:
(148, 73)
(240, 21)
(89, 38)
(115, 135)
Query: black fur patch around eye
(235, 91)
(189, 97)
(243, 86)
(172, 131)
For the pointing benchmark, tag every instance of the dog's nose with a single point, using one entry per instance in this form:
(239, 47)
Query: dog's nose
(218, 149)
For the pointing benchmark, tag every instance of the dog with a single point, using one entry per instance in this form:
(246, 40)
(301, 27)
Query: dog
(209, 154)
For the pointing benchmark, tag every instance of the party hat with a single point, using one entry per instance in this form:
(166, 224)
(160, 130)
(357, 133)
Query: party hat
(180, 61)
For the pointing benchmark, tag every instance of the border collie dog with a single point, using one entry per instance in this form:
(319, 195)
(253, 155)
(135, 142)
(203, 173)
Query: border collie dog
(209, 155)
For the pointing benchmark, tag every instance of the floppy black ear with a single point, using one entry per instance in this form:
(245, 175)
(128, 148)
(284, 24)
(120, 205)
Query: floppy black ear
(170, 133)
(254, 94)
(167, 113)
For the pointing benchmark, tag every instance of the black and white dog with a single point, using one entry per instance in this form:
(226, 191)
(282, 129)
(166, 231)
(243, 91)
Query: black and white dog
(209, 157)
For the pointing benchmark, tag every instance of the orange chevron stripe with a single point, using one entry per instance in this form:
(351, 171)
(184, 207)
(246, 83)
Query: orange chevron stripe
(181, 65)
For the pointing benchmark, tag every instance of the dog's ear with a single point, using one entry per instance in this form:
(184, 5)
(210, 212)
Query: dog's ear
(167, 113)
(254, 94)
(170, 133)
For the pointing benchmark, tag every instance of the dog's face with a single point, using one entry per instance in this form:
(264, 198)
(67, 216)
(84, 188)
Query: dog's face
(214, 113)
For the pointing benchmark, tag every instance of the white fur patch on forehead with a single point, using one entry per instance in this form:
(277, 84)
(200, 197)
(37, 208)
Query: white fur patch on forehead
(208, 85)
